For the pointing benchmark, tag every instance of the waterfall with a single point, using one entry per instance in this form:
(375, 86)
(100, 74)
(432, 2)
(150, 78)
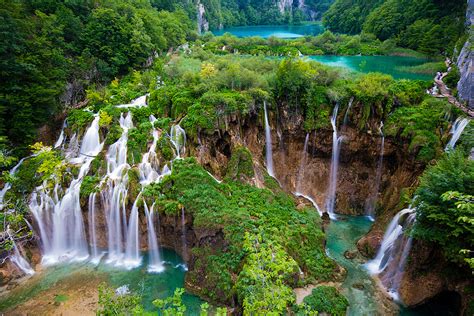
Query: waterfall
(115, 195)
(457, 129)
(300, 176)
(61, 138)
(183, 234)
(132, 253)
(268, 143)
(137, 103)
(389, 263)
(155, 265)
(60, 219)
(149, 165)
(336, 149)
(312, 202)
(8, 185)
(92, 229)
(346, 116)
(372, 200)
(178, 139)
(18, 259)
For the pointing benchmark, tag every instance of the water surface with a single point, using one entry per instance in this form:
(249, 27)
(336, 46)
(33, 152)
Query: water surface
(280, 31)
(151, 286)
(391, 65)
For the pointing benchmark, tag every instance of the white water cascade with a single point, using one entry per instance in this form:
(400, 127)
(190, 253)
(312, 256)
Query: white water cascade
(92, 229)
(336, 150)
(457, 129)
(60, 219)
(62, 137)
(391, 258)
(156, 265)
(268, 143)
(8, 185)
(178, 139)
(349, 107)
(372, 200)
(18, 259)
(132, 252)
(300, 176)
(115, 195)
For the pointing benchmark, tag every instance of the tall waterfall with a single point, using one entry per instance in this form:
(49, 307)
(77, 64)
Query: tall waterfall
(62, 137)
(372, 200)
(268, 143)
(336, 149)
(457, 129)
(60, 219)
(391, 258)
(8, 185)
(132, 253)
(304, 154)
(178, 139)
(115, 195)
(156, 265)
(92, 228)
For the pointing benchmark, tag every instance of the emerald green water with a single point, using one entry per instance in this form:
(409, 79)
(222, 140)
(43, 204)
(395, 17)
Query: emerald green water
(342, 235)
(280, 31)
(150, 286)
(391, 65)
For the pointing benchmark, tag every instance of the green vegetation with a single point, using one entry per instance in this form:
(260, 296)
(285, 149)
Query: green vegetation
(240, 166)
(47, 44)
(429, 26)
(324, 299)
(445, 207)
(257, 224)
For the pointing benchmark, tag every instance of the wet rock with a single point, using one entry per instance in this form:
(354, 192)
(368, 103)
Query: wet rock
(350, 254)
(358, 286)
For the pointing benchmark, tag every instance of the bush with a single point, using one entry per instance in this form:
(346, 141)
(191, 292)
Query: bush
(326, 299)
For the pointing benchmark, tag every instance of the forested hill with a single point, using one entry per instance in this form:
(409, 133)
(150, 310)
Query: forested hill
(221, 13)
(50, 51)
(429, 26)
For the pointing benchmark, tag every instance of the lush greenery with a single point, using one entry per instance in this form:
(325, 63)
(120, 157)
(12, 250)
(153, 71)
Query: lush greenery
(258, 226)
(324, 299)
(221, 13)
(430, 26)
(51, 51)
(445, 207)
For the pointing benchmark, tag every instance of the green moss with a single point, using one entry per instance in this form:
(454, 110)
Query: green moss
(79, 119)
(89, 186)
(137, 141)
(113, 134)
(164, 147)
(326, 299)
(240, 166)
(134, 186)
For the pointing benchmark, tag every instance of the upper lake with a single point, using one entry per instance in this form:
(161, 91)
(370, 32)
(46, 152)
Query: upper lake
(280, 31)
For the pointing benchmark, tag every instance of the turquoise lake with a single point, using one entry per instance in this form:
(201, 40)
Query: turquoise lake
(280, 31)
(391, 65)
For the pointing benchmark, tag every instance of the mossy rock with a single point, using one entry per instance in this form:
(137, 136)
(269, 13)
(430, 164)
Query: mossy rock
(240, 166)
(134, 186)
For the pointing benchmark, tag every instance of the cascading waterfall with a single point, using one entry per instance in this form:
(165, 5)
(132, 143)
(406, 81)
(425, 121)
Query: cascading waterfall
(132, 252)
(92, 228)
(18, 259)
(60, 219)
(391, 258)
(349, 107)
(268, 143)
(114, 196)
(8, 185)
(300, 176)
(336, 149)
(62, 137)
(183, 232)
(178, 139)
(156, 265)
(457, 129)
(372, 200)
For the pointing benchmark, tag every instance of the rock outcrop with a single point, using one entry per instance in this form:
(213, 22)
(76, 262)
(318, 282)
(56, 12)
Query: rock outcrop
(465, 62)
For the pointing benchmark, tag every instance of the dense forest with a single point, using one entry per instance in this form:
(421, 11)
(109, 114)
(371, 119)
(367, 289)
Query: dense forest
(430, 26)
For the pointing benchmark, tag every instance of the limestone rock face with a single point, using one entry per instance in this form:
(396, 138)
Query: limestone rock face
(465, 62)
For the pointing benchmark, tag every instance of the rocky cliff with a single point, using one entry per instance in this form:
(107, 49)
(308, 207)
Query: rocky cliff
(465, 61)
